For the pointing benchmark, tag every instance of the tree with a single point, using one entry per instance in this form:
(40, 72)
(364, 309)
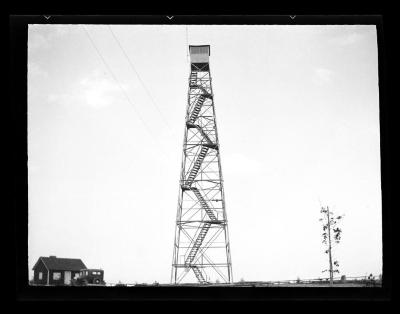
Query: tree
(331, 235)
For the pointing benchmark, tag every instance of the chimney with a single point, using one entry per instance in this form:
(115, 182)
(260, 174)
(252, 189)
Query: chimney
(53, 256)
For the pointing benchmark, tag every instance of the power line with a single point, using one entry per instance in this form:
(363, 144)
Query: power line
(140, 79)
(119, 85)
(187, 44)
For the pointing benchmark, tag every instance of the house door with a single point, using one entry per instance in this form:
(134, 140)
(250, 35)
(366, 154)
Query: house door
(67, 277)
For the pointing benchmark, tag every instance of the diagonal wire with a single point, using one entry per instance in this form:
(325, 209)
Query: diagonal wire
(122, 89)
(187, 45)
(140, 79)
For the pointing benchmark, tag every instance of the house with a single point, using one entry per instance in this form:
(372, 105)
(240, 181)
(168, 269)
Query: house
(56, 271)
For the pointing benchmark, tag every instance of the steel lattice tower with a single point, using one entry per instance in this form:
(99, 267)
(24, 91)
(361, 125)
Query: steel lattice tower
(201, 248)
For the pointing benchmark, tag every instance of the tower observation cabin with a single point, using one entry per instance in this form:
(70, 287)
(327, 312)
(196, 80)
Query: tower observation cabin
(199, 57)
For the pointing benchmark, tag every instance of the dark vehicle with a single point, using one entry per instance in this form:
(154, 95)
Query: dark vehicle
(90, 277)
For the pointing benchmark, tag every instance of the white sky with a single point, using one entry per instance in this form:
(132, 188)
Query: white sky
(298, 116)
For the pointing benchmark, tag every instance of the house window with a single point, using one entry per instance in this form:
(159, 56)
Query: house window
(56, 276)
(76, 275)
(40, 275)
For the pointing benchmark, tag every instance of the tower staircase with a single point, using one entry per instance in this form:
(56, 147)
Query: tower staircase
(199, 274)
(193, 173)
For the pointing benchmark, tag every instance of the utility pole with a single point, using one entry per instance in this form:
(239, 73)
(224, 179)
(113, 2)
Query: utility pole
(330, 231)
(330, 249)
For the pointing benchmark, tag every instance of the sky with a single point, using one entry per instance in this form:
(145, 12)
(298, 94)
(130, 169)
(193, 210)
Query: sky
(297, 110)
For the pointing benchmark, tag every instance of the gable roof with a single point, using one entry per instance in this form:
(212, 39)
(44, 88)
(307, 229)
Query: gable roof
(55, 263)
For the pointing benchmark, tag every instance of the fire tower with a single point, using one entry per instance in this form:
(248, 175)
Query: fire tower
(201, 248)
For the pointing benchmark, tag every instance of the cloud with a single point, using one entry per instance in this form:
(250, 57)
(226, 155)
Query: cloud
(95, 91)
(322, 75)
(36, 72)
(61, 30)
(347, 39)
(36, 42)
(43, 36)
(62, 99)
(99, 91)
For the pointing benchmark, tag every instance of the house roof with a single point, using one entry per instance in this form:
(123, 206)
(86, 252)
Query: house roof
(55, 263)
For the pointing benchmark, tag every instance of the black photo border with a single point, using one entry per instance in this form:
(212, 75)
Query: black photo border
(18, 102)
